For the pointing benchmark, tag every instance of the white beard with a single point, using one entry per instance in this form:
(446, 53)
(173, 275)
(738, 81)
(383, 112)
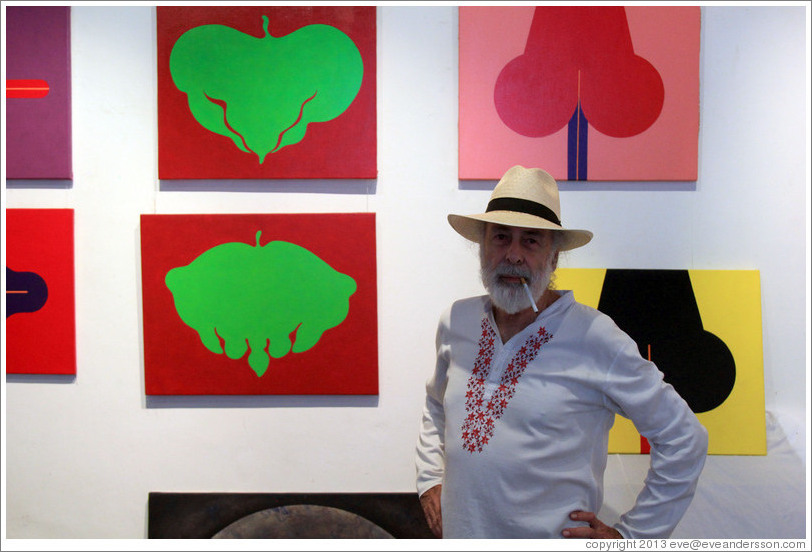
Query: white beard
(512, 298)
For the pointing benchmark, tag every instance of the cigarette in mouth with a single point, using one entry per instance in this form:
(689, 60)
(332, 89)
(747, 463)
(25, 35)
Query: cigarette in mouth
(529, 295)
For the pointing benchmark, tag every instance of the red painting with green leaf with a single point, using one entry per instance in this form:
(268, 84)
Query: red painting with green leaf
(266, 92)
(260, 304)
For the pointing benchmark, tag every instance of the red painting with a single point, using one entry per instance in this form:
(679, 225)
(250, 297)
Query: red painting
(260, 304)
(585, 92)
(40, 306)
(266, 92)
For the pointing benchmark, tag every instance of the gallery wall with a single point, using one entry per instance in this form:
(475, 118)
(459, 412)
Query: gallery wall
(82, 454)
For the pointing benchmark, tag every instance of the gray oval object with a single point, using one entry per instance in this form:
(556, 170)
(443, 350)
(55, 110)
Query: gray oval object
(302, 521)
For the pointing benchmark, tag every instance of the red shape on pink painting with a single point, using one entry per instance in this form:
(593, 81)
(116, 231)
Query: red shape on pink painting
(579, 55)
(26, 88)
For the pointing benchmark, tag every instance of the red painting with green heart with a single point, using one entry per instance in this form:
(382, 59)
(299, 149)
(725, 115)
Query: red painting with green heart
(258, 304)
(266, 92)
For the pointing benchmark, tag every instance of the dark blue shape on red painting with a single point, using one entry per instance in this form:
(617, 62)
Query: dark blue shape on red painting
(25, 292)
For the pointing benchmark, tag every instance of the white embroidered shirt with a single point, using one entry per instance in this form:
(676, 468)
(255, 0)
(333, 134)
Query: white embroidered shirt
(517, 433)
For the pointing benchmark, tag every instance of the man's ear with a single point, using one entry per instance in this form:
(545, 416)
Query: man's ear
(555, 260)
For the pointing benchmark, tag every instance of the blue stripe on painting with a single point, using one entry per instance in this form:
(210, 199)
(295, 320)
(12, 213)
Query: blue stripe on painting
(577, 145)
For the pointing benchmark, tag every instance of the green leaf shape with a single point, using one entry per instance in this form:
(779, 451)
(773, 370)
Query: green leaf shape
(258, 296)
(263, 92)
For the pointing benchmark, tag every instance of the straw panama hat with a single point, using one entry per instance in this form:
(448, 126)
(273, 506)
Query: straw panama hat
(527, 198)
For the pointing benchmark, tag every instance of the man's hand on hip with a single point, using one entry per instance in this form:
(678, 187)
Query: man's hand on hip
(596, 530)
(430, 501)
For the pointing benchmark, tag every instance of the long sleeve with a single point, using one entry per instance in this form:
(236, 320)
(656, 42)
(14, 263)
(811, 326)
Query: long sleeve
(679, 444)
(430, 457)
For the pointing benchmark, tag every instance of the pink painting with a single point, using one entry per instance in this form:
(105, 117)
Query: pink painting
(38, 93)
(587, 93)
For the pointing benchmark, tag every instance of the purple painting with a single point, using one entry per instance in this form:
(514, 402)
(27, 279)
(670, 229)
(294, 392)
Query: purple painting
(38, 98)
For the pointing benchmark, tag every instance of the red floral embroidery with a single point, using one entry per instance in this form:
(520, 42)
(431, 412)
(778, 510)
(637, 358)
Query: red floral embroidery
(477, 430)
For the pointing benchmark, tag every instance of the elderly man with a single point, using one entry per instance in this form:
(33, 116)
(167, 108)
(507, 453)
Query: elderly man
(514, 437)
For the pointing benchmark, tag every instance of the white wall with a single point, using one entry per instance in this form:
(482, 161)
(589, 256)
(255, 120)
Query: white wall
(82, 455)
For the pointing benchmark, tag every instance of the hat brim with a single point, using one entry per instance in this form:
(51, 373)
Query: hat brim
(472, 227)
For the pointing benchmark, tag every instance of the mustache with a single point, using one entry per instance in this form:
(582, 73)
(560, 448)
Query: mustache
(507, 269)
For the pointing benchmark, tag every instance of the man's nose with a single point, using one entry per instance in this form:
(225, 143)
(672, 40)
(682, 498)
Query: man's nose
(514, 254)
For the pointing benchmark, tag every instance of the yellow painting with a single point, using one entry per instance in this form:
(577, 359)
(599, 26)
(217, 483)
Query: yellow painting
(703, 330)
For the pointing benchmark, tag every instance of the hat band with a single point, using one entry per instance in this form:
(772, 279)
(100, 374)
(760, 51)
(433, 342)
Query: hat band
(523, 206)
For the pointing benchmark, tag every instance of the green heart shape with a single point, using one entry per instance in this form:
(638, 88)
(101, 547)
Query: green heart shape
(263, 92)
(253, 297)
